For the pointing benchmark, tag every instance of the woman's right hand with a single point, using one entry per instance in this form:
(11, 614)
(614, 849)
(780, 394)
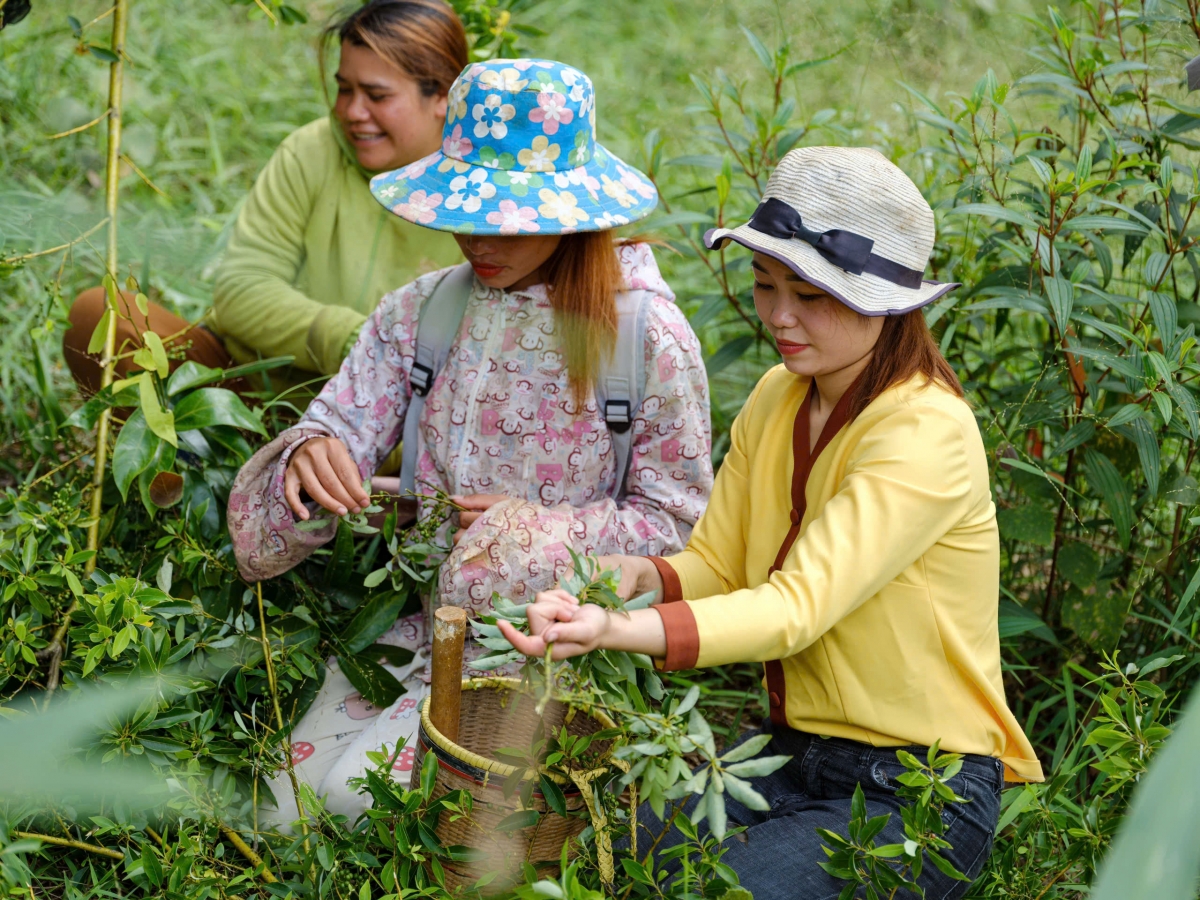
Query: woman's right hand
(323, 468)
(574, 628)
(638, 575)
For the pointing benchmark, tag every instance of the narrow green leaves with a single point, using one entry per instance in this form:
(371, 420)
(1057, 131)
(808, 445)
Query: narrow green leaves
(1116, 494)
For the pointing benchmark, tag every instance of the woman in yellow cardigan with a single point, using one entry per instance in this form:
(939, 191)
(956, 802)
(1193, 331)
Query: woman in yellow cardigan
(850, 544)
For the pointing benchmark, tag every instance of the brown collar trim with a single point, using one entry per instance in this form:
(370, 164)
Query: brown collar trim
(802, 464)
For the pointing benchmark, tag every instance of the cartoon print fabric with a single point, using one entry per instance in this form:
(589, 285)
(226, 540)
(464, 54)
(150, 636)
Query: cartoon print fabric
(330, 743)
(500, 418)
(519, 155)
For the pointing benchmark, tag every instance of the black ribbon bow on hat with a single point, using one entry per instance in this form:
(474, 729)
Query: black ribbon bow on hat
(844, 249)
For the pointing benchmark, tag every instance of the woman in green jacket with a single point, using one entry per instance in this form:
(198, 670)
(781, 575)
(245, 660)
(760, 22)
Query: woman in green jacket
(312, 252)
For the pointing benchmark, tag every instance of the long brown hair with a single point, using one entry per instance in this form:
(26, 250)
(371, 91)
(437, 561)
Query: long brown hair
(905, 348)
(424, 39)
(583, 276)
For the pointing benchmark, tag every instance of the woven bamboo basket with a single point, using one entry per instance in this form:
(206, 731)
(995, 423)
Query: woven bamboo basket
(496, 714)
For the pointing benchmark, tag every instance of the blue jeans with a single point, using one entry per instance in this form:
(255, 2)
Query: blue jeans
(776, 856)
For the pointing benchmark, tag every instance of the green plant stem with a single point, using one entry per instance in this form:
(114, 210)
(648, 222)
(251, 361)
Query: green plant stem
(67, 246)
(271, 684)
(74, 845)
(236, 839)
(112, 173)
(1047, 608)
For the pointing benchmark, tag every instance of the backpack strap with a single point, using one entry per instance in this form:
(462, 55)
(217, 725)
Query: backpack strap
(437, 327)
(621, 386)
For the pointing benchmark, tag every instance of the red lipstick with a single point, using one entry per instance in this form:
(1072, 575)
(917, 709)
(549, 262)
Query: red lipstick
(787, 348)
(486, 270)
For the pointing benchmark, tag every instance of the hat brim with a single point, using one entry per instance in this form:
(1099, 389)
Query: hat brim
(866, 294)
(446, 194)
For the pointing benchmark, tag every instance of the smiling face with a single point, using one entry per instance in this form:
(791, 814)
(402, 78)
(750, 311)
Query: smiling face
(816, 334)
(508, 262)
(384, 115)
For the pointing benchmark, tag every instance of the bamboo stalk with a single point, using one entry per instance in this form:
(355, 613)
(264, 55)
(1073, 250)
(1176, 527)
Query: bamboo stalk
(74, 845)
(236, 839)
(112, 171)
(270, 667)
(449, 632)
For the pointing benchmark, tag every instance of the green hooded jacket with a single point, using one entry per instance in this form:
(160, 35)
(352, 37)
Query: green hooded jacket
(311, 255)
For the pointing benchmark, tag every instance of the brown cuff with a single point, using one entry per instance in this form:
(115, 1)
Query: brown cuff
(672, 590)
(683, 637)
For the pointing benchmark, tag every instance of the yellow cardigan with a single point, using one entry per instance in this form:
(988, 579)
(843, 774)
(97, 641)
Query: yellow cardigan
(871, 589)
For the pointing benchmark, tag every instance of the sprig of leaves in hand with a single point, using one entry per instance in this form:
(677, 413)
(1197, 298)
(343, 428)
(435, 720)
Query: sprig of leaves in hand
(659, 730)
(605, 676)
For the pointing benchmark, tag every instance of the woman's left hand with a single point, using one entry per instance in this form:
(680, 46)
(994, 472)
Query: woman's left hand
(558, 618)
(474, 506)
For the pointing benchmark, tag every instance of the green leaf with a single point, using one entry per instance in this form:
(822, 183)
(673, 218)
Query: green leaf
(160, 421)
(993, 211)
(1080, 433)
(728, 354)
(1015, 620)
(341, 561)
(553, 795)
(376, 684)
(1061, 294)
(135, 449)
(715, 804)
(1155, 855)
(1079, 564)
(756, 768)
(1165, 314)
(1125, 415)
(158, 353)
(760, 50)
(1116, 494)
(1027, 795)
(191, 374)
(215, 406)
(1029, 523)
(290, 15)
(373, 619)
(374, 579)
(744, 793)
(1105, 223)
(1097, 615)
(151, 865)
(396, 657)
(1146, 442)
(1186, 600)
(429, 770)
(99, 333)
(522, 818)
(747, 749)
(1118, 364)
(103, 53)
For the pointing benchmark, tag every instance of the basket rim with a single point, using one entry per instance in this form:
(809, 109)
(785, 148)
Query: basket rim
(493, 766)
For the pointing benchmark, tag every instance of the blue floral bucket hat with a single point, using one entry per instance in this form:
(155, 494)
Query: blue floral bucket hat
(519, 156)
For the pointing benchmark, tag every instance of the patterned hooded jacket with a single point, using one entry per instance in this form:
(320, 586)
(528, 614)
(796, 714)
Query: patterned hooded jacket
(500, 419)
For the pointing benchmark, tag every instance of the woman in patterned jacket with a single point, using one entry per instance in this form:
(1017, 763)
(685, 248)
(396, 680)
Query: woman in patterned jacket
(511, 426)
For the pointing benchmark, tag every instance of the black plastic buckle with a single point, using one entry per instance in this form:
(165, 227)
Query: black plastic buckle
(421, 379)
(618, 414)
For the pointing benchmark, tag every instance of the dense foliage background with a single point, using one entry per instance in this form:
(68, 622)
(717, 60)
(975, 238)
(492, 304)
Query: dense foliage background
(1059, 152)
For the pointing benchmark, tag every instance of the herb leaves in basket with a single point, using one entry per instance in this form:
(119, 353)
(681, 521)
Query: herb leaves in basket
(659, 733)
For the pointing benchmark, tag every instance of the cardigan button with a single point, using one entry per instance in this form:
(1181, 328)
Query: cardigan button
(774, 698)
(795, 517)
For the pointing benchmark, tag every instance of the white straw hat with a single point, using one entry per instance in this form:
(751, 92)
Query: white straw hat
(850, 222)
